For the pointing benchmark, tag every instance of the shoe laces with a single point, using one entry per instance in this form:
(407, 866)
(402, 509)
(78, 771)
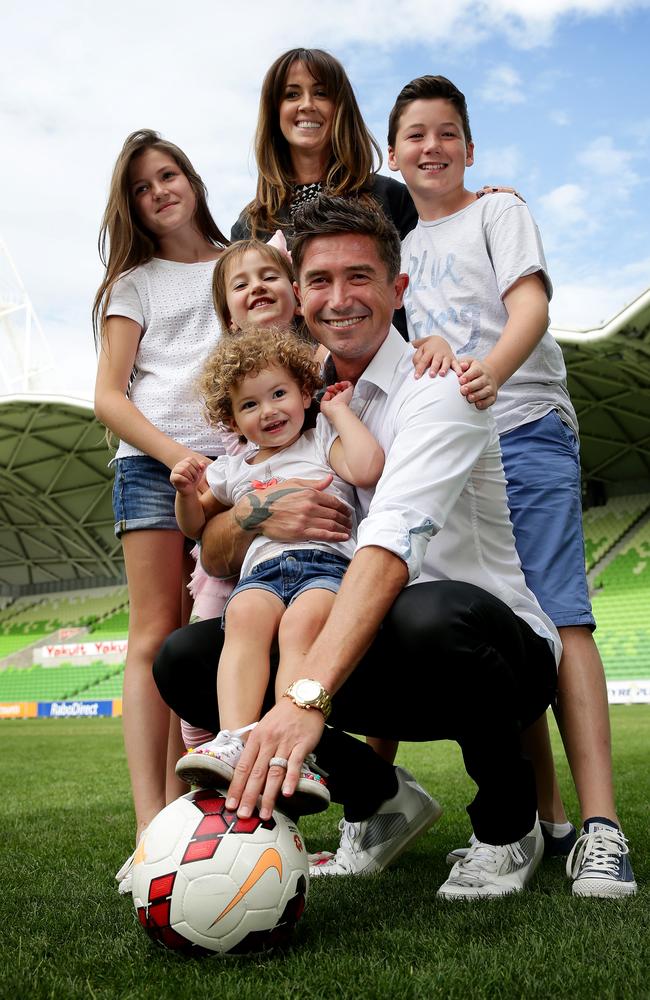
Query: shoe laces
(599, 850)
(349, 832)
(484, 858)
(227, 740)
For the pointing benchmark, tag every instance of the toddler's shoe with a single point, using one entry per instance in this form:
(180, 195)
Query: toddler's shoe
(124, 877)
(213, 765)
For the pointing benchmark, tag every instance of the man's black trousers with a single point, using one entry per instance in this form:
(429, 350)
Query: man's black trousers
(450, 661)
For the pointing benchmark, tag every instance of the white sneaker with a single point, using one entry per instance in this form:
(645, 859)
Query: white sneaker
(599, 864)
(554, 847)
(370, 845)
(459, 853)
(214, 763)
(124, 876)
(489, 870)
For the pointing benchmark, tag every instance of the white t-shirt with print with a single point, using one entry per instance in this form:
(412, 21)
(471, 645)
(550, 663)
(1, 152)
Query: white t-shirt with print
(459, 269)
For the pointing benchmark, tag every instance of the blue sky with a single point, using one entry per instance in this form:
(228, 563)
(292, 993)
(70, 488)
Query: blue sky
(557, 99)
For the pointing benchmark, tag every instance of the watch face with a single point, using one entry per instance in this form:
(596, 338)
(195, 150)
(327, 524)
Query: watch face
(307, 690)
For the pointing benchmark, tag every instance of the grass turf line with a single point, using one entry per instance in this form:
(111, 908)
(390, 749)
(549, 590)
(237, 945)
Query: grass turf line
(66, 825)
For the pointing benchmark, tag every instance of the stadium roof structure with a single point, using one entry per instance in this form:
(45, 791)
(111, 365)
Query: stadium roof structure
(56, 522)
(609, 381)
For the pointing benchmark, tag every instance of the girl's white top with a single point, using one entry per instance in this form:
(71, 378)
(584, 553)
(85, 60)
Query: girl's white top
(233, 476)
(172, 302)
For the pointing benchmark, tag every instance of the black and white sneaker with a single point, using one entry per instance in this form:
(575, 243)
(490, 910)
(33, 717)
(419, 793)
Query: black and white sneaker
(599, 863)
(488, 870)
(371, 844)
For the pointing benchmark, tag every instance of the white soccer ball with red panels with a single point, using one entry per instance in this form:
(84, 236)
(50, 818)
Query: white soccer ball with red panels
(206, 881)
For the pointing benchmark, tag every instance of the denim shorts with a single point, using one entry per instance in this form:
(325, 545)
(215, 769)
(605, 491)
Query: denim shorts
(292, 573)
(143, 497)
(542, 465)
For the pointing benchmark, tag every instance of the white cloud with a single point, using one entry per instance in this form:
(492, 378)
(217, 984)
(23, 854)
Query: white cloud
(529, 23)
(565, 207)
(502, 165)
(559, 117)
(602, 159)
(596, 298)
(503, 85)
(77, 78)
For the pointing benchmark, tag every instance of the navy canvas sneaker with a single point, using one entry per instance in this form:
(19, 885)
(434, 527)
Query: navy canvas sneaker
(599, 863)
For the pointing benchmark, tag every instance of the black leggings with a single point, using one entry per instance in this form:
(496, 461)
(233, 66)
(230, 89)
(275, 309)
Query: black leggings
(450, 661)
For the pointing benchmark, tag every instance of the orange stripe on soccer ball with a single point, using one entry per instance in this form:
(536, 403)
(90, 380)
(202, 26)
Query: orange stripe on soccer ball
(269, 859)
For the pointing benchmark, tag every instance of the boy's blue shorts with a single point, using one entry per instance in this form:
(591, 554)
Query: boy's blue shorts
(542, 465)
(292, 573)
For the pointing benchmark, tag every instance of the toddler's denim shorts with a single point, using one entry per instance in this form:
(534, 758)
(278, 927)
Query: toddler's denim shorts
(143, 497)
(542, 465)
(292, 573)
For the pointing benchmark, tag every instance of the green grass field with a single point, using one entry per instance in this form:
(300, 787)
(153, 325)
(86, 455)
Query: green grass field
(66, 825)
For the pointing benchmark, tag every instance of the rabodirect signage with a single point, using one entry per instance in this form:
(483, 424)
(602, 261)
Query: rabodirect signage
(74, 709)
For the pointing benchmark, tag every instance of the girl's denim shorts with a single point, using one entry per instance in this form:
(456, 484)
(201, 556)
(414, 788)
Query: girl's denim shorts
(143, 497)
(292, 573)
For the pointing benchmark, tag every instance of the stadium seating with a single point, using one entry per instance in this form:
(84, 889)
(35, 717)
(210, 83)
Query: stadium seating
(621, 604)
(14, 643)
(34, 617)
(622, 609)
(61, 681)
(604, 526)
(114, 627)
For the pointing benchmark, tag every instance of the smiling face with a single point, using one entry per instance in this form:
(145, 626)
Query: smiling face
(161, 193)
(258, 291)
(348, 298)
(431, 154)
(306, 112)
(269, 408)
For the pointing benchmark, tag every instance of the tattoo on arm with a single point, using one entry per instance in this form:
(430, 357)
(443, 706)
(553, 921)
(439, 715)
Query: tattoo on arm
(261, 509)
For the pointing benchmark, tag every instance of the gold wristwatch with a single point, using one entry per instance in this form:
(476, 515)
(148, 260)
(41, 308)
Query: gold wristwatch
(308, 693)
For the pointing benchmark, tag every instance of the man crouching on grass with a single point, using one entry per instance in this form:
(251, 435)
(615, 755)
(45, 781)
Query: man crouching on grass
(433, 634)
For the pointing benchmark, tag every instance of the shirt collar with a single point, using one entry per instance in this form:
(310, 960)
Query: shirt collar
(381, 370)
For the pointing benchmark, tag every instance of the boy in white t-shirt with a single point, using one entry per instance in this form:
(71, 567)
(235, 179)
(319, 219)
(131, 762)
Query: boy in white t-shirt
(477, 276)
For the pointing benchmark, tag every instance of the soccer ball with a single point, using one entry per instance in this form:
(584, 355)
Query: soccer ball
(206, 881)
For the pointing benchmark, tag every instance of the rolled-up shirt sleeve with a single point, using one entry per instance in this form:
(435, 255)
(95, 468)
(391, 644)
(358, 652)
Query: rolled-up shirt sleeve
(438, 438)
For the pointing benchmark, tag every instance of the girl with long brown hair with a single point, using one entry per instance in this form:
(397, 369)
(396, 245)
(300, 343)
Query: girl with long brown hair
(154, 326)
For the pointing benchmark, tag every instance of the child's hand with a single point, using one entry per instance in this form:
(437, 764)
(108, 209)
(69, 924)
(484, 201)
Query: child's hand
(478, 384)
(435, 354)
(187, 474)
(335, 396)
(488, 189)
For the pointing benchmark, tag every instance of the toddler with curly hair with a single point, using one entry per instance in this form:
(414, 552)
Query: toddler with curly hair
(260, 383)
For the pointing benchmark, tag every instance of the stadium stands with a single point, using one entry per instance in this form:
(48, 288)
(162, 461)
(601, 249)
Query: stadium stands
(59, 682)
(604, 526)
(622, 608)
(76, 609)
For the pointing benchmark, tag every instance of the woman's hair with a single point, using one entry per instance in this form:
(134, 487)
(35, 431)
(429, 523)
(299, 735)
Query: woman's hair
(351, 160)
(249, 352)
(124, 242)
(231, 256)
